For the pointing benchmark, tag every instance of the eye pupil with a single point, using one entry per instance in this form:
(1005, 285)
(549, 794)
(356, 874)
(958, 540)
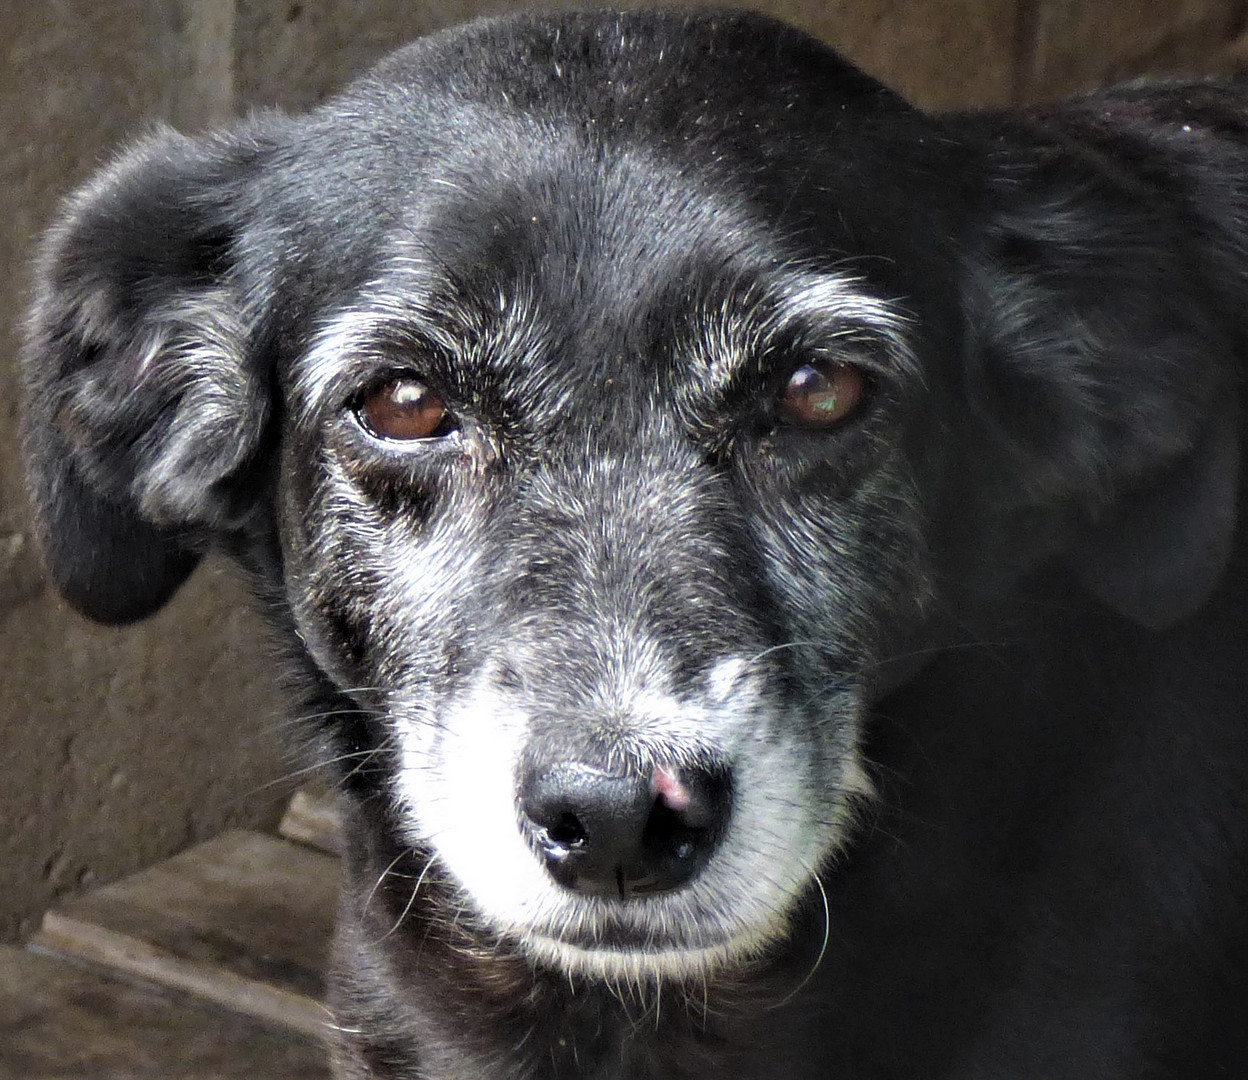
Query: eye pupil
(822, 394)
(404, 409)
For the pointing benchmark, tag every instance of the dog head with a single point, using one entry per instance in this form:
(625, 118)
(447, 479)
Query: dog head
(609, 407)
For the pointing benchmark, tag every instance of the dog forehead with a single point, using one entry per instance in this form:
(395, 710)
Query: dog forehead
(727, 97)
(613, 282)
(607, 245)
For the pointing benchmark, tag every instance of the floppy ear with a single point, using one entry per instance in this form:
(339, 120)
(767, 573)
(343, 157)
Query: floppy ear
(1105, 301)
(142, 404)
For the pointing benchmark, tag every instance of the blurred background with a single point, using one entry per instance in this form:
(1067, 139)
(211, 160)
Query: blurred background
(120, 747)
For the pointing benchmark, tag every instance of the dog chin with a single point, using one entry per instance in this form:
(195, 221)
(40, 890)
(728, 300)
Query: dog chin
(651, 963)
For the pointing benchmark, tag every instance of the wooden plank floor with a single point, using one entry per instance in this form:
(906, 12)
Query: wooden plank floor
(207, 965)
(60, 1021)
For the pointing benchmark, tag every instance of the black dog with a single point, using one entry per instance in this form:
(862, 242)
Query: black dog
(762, 559)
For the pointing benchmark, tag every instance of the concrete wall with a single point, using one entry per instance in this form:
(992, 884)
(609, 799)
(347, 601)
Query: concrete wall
(120, 747)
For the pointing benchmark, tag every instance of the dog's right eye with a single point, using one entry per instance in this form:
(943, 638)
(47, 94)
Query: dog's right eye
(822, 394)
(404, 409)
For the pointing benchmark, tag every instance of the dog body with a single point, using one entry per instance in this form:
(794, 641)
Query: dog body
(762, 560)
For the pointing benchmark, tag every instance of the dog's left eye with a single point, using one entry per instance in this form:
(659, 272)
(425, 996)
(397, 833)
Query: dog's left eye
(822, 394)
(404, 409)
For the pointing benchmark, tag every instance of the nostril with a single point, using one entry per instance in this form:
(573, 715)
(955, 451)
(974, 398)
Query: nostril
(567, 832)
(688, 812)
(667, 830)
(623, 835)
(572, 806)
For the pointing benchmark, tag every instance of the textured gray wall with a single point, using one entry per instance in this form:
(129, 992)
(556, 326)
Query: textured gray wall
(118, 747)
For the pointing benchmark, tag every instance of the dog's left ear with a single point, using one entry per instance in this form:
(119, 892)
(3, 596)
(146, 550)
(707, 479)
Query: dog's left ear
(1105, 304)
(143, 402)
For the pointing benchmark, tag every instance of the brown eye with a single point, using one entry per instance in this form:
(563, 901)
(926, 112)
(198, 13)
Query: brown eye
(822, 394)
(404, 409)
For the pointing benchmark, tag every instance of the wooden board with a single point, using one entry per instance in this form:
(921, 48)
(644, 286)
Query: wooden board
(312, 818)
(244, 920)
(60, 1021)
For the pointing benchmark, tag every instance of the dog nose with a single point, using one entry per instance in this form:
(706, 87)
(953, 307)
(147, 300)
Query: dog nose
(623, 835)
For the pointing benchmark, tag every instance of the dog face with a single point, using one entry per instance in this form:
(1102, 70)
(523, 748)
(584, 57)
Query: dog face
(565, 497)
(572, 476)
(609, 409)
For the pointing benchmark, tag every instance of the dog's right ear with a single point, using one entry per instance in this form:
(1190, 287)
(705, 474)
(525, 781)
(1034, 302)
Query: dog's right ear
(143, 402)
